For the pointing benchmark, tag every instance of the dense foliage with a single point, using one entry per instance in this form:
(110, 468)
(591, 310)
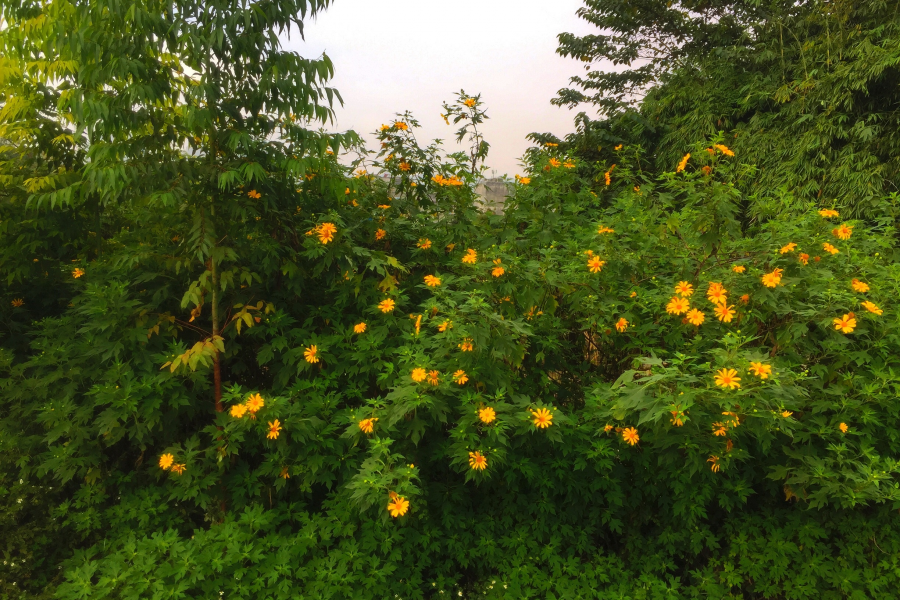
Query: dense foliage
(806, 91)
(234, 367)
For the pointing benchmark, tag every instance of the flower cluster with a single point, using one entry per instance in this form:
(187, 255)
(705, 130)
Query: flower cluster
(167, 462)
(453, 181)
(324, 231)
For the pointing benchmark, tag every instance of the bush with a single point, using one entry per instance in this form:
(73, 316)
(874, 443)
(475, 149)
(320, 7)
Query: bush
(742, 446)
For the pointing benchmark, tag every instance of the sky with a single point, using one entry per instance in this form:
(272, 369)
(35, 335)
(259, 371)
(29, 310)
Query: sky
(394, 55)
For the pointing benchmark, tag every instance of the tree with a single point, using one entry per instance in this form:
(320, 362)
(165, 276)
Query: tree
(804, 90)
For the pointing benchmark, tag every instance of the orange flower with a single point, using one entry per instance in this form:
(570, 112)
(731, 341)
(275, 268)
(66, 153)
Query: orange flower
(843, 427)
(254, 194)
(745, 298)
(719, 429)
(804, 259)
(359, 328)
(786, 413)
(551, 145)
(717, 295)
(254, 403)
(466, 345)
(621, 325)
(445, 326)
(17, 302)
(401, 125)
(419, 374)
(542, 418)
(859, 286)
(828, 213)
(471, 257)
(733, 420)
(404, 166)
(872, 307)
(845, 324)
(367, 425)
(715, 287)
(630, 435)
(683, 163)
(77, 273)
(166, 460)
(497, 271)
(632, 294)
(554, 162)
(274, 430)
(843, 232)
(418, 322)
(761, 370)
(724, 312)
(382, 207)
(829, 248)
(460, 377)
(434, 377)
(606, 178)
(380, 233)
(695, 317)
(677, 306)
(386, 305)
(487, 414)
(284, 473)
(238, 411)
(715, 467)
(617, 148)
(424, 243)
(477, 460)
(603, 229)
(432, 281)
(326, 232)
(684, 289)
(595, 264)
(727, 378)
(772, 279)
(569, 164)
(398, 505)
(470, 102)
(724, 150)
(179, 468)
(738, 268)
(310, 354)
(788, 248)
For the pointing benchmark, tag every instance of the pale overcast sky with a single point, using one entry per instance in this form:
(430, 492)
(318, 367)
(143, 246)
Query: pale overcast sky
(393, 55)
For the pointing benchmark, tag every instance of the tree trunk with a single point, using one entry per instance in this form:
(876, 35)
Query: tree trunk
(217, 368)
